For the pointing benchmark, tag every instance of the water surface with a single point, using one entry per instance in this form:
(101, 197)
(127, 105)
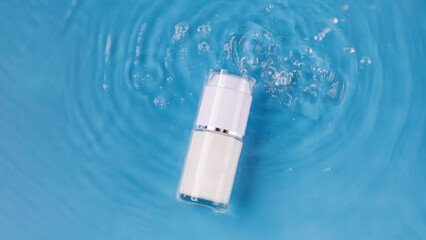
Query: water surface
(98, 99)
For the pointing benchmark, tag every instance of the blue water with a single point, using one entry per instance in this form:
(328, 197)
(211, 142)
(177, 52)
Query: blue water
(98, 99)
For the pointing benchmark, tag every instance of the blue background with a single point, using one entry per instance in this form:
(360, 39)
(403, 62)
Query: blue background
(98, 98)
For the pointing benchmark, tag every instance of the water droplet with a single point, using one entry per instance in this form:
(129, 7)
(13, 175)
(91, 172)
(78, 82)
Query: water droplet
(269, 8)
(345, 7)
(105, 86)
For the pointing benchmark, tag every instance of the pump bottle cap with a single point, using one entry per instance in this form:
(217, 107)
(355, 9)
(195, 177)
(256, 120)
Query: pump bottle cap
(226, 101)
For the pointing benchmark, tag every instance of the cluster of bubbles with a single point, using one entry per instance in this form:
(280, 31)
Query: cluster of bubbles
(181, 30)
(299, 76)
(293, 73)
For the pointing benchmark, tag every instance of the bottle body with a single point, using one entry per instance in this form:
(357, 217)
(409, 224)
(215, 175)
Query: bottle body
(210, 168)
(216, 141)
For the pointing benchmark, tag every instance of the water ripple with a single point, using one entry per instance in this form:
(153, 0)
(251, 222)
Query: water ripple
(98, 102)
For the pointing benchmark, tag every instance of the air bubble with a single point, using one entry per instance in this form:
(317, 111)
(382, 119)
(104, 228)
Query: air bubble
(160, 102)
(204, 29)
(183, 53)
(249, 63)
(365, 61)
(349, 49)
(334, 20)
(320, 36)
(180, 31)
(148, 78)
(203, 47)
(169, 80)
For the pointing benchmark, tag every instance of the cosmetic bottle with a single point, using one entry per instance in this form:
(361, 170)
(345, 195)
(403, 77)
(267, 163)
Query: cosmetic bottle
(216, 141)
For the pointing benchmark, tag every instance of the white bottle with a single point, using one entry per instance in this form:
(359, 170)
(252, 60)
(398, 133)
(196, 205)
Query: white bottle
(217, 139)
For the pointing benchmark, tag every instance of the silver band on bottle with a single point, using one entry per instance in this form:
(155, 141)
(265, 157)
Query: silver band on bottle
(233, 134)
